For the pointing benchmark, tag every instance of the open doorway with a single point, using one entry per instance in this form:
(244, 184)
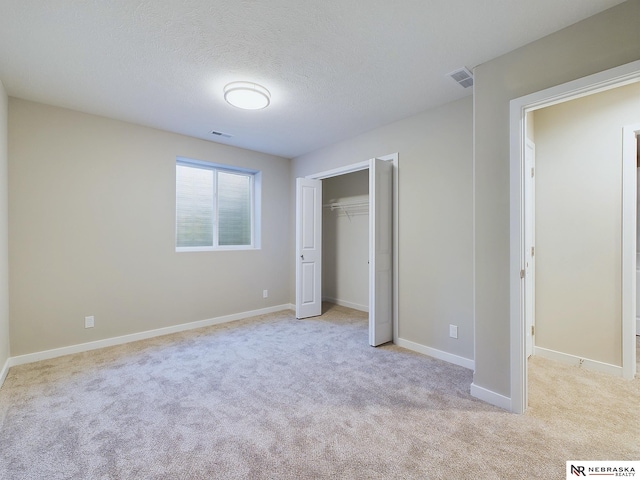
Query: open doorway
(382, 245)
(579, 189)
(520, 108)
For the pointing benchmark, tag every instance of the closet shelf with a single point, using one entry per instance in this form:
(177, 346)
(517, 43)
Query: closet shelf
(348, 209)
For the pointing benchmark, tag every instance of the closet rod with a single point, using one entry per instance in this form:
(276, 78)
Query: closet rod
(336, 205)
(355, 208)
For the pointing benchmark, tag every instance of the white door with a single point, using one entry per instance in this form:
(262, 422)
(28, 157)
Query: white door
(529, 238)
(308, 248)
(380, 252)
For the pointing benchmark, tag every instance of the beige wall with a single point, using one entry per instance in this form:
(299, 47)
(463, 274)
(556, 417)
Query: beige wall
(603, 41)
(4, 240)
(345, 241)
(92, 231)
(578, 223)
(435, 220)
(531, 126)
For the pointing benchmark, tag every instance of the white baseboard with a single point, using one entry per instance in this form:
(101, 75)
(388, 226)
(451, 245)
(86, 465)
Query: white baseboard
(491, 397)
(585, 363)
(637, 326)
(439, 354)
(344, 303)
(134, 337)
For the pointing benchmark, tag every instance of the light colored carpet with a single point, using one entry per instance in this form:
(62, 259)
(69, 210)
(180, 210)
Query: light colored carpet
(279, 398)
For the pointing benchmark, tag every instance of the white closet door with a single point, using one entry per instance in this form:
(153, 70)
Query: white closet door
(308, 248)
(380, 252)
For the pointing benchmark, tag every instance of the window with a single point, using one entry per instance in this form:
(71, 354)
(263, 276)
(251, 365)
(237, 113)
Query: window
(216, 206)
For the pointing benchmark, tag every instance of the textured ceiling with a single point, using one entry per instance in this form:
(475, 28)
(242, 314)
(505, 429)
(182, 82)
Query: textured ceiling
(335, 68)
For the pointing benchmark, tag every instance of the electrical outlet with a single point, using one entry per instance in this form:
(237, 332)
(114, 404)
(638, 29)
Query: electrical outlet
(265, 294)
(89, 322)
(453, 331)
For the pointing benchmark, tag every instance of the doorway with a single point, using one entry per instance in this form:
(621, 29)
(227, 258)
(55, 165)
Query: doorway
(383, 252)
(620, 76)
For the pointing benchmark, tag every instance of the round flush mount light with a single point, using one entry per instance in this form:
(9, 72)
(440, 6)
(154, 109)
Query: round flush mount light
(247, 95)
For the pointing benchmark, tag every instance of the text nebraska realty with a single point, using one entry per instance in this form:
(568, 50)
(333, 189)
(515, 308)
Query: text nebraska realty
(608, 471)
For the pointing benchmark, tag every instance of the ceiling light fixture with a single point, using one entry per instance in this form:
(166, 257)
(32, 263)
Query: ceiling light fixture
(247, 95)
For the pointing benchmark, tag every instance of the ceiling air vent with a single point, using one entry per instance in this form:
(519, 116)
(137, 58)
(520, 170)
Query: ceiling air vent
(463, 76)
(220, 134)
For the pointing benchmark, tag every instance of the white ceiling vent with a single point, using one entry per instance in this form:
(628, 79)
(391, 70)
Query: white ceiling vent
(463, 76)
(220, 134)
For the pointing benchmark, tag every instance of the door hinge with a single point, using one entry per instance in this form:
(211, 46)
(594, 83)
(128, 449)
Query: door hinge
(532, 172)
(533, 251)
(521, 273)
(533, 330)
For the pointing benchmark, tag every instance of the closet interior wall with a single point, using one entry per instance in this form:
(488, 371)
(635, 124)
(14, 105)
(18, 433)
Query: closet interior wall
(345, 240)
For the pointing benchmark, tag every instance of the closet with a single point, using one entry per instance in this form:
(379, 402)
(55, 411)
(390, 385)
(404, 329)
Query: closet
(345, 240)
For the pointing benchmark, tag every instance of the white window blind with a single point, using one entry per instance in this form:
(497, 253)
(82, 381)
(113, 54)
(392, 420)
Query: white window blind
(215, 206)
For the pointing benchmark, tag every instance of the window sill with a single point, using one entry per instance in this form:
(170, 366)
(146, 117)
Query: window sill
(216, 249)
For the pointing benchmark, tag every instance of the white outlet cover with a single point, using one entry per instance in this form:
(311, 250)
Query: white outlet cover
(453, 331)
(89, 322)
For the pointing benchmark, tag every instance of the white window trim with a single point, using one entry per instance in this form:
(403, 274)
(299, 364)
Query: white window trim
(256, 209)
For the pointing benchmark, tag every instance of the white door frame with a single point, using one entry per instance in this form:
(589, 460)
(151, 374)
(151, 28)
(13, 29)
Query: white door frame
(356, 167)
(629, 216)
(599, 82)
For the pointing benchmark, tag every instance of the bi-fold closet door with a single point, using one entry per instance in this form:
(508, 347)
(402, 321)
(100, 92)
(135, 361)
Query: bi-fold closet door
(309, 250)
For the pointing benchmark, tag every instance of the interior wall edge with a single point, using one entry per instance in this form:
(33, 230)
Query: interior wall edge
(4, 372)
